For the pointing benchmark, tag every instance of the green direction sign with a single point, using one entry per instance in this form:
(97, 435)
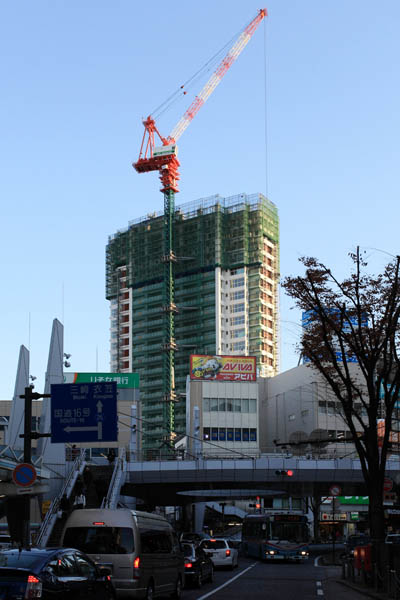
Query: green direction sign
(354, 516)
(124, 380)
(353, 499)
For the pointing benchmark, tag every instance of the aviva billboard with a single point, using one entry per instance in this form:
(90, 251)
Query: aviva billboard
(223, 368)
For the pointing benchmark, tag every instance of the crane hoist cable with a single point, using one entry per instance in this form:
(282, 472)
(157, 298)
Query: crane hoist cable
(188, 84)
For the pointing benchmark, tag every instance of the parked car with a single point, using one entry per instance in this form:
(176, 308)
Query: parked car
(221, 552)
(194, 538)
(63, 573)
(5, 541)
(392, 538)
(198, 565)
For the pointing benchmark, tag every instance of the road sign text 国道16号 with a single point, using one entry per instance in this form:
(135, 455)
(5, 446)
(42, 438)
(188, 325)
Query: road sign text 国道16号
(84, 412)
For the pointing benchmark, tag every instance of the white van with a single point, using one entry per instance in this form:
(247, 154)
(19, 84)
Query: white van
(141, 549)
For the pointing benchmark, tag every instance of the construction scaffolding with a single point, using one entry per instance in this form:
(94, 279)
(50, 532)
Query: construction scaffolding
(225, 234)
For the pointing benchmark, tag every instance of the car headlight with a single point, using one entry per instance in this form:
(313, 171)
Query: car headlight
(272, 551)
(303, 553)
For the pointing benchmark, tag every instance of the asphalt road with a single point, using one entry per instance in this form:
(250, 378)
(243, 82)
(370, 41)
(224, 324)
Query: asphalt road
(254, 580)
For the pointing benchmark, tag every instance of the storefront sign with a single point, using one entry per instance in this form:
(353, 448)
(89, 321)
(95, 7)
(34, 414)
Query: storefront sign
(222, 368)
(353, 499)
(123, 380)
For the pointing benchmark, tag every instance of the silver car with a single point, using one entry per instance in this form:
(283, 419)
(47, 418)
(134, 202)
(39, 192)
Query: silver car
(221, 552)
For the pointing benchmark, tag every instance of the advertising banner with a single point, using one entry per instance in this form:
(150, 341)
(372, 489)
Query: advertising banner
(222, 368)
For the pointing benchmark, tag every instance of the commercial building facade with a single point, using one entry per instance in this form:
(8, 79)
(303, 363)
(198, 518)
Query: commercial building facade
(226, 294)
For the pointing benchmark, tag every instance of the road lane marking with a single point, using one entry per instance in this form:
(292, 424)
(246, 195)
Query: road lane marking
(319, 583)
(227, 582)
(316, 560)
(320, 592)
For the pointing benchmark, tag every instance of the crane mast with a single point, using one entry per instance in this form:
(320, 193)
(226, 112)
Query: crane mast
(164, 160)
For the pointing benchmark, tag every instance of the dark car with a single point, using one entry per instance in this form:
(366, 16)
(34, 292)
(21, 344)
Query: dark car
(62, 573)
(198, 566)
(193, 538)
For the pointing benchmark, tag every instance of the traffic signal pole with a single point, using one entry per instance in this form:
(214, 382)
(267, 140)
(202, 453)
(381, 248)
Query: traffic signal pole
(28, 436)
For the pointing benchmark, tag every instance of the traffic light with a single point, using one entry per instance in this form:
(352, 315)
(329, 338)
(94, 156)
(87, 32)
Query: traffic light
(258, 502)
(286, 473)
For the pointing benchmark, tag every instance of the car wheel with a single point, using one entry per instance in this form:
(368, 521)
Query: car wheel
(149, 592)
(178, 589)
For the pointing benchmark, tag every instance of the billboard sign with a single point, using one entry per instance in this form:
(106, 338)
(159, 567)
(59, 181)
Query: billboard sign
(84, 412)
(222, 368)
(123, 380)
(353, 499)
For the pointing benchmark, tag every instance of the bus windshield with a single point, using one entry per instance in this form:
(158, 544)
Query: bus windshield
(291, 532)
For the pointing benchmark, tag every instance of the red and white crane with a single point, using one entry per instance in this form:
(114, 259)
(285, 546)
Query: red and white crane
(163, 158)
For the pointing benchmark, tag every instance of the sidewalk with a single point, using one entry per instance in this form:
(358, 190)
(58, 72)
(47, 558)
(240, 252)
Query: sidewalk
(336, 588)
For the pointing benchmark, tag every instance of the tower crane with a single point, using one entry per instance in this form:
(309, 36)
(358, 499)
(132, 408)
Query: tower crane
(163, 158)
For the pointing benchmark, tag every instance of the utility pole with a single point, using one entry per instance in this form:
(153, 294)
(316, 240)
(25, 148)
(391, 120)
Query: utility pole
(28, 436)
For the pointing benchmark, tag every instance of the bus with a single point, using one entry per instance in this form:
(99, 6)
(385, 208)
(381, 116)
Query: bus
(276, 536)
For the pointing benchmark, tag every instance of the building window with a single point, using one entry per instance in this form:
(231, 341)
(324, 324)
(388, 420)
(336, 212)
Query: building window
(237, 320)
(237, 307)
(253, 435)
(238, 435)
(214, 404)
(245, 405)
(206, 433)
(237, 271)
(239, 346)
(239, 282)
(292, 417)
(245, 435)
(237, 405)
(238, 333)
(222, 434)
(229, 407)
(221, 404)
(206, 404)
(214, 434)
(252, 406)
(229, 434)
(237, 295)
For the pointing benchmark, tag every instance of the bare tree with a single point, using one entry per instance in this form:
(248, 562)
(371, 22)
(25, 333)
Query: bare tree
(356, 323)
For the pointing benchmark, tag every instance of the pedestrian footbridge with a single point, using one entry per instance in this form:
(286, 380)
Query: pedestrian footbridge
(166, 481)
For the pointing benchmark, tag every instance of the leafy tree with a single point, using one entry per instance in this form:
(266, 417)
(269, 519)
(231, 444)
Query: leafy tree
(351, 336)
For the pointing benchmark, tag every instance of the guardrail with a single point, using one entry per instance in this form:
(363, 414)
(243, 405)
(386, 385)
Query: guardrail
(51, 515)
(384, 579)
(110, 501)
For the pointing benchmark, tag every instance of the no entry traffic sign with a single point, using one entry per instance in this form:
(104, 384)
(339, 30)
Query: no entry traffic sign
(335, 490)
(24, 475)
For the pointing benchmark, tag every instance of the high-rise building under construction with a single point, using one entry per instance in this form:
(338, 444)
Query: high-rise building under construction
(226, 279)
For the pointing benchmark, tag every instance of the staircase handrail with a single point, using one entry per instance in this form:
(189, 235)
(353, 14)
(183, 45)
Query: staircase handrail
(51, 515)
(109, 501)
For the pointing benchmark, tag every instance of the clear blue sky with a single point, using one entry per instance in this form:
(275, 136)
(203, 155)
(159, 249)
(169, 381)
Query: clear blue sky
(77, 77)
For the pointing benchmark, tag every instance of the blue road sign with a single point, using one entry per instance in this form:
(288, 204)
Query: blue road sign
(84, 412)
(24, 474)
